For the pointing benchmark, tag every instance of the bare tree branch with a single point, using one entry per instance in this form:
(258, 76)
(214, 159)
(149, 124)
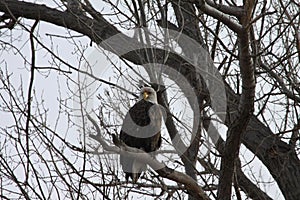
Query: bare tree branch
(206, 8)
(245, 108)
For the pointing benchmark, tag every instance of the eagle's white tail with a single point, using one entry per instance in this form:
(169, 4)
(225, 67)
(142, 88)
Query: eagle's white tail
(137, 169)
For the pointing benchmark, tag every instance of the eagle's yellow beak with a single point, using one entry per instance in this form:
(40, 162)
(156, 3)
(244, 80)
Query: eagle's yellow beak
(145, 95)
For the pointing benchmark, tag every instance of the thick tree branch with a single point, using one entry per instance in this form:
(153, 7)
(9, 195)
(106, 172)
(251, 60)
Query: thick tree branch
(245, 109)
(217, 14)
(188, 24)
(229, 10)
(96, 29)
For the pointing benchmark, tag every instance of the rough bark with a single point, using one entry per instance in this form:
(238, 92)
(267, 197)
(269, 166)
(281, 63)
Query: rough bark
(244, 110)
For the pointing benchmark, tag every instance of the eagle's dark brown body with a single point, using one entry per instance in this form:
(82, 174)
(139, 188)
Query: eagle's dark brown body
(141, 129)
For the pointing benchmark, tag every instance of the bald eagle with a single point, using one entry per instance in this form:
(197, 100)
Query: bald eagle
(141, 129)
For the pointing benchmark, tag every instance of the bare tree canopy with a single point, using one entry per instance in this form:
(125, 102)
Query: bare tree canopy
(228, 86)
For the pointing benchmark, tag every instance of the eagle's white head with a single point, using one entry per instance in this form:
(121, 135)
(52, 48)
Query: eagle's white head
(148, 94)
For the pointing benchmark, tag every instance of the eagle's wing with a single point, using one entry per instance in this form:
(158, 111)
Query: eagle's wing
(155, 114)
(142, 125)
